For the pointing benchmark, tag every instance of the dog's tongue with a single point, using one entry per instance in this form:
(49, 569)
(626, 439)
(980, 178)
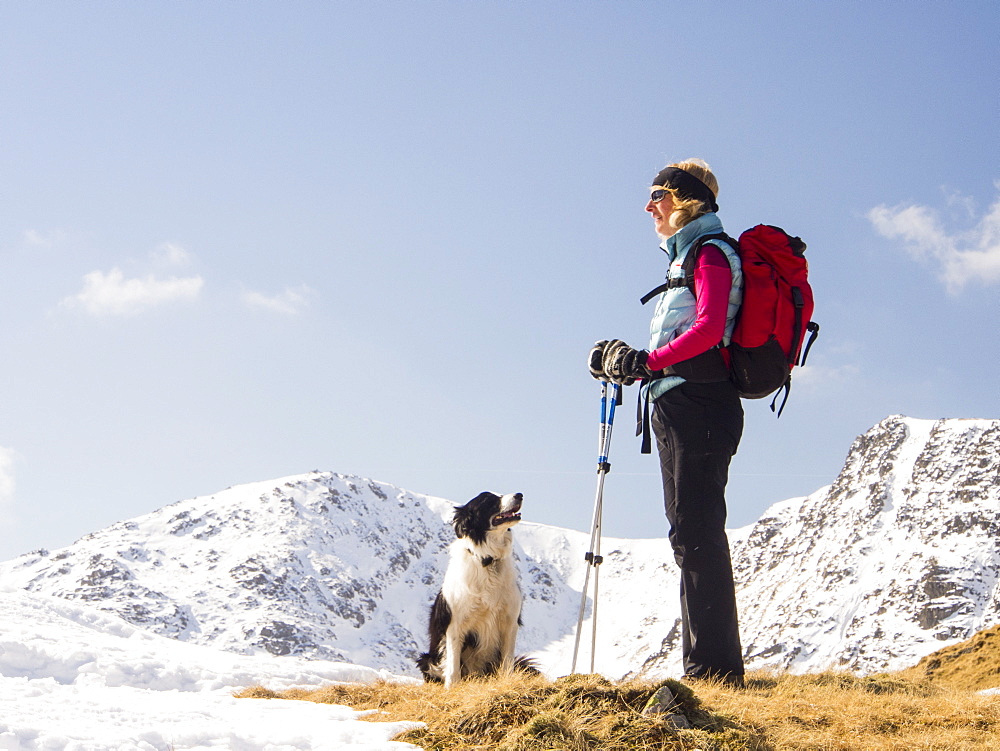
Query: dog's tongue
(512, 514)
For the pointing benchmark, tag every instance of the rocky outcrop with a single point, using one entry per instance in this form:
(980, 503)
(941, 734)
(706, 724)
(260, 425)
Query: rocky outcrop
(897, 558)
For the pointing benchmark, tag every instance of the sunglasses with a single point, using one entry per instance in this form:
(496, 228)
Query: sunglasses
(657, 194)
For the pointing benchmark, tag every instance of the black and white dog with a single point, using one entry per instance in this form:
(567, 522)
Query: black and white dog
(474, 620)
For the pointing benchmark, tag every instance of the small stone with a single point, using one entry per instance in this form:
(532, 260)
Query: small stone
(679, 721)
(661, 702)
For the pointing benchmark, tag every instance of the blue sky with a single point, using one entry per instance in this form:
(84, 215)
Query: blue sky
(247, 240)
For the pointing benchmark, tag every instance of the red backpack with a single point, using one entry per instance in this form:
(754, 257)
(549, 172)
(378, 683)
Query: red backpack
(775, 315)
(776, 312)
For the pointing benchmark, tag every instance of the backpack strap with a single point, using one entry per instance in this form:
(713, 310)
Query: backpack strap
(642, 422)
(690, 260)
(656, 291)
(813, 328)
(787, 388)
(681, 281)
(799, 302)
(727, 239)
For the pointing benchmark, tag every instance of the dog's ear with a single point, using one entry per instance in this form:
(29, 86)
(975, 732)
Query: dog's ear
(465, 516)
(462, 520)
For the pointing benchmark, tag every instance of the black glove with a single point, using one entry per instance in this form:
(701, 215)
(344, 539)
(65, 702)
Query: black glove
(624, 365)
(596, 359)
(634, 364)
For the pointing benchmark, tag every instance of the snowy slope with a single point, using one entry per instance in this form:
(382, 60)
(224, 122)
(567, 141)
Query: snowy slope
(328, 566)
(895, 559)
(72, 677)
(899, 557)
(300, 566)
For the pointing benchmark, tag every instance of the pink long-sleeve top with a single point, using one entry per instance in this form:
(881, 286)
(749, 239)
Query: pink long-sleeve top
(712, 283)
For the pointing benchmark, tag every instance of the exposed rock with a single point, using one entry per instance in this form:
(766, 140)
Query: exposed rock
(900, 555)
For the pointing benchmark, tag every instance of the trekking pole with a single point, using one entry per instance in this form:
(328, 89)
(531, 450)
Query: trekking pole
(593, 556)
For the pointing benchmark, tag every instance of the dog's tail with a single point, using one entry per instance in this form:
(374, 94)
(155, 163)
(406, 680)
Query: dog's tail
(427, 662)
(524, 664)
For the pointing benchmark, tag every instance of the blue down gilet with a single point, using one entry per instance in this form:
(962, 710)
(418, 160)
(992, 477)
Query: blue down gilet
(675, 308)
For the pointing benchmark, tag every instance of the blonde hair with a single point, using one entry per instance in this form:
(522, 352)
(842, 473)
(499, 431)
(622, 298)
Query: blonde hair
(686, 210)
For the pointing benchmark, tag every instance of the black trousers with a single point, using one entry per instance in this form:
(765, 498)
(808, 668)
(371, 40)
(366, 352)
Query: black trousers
(698, 427)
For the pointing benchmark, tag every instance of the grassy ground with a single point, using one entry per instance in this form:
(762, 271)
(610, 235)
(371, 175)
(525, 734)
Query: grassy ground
(974, 664)
(773, 713)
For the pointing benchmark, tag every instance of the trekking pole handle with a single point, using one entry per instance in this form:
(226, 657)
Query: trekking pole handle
(607, 423)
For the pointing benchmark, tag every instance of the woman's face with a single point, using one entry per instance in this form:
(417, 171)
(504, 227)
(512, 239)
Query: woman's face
(661, 211)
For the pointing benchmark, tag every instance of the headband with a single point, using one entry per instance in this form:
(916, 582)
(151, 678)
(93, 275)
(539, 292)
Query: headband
(687, 186)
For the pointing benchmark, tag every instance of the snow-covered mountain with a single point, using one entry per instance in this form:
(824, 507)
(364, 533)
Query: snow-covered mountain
(899, 557)
(894, 560)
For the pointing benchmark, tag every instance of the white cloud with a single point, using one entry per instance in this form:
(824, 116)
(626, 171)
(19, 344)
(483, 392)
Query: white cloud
(113, 294)
(814, 376)
(7, 458)
(973, 255)
(288, 303)
(171, 254)
(36, 239)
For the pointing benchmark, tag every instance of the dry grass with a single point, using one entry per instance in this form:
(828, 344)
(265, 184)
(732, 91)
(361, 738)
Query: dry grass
(773, 713)
(842, 712)
(972, 665)
(523, 713)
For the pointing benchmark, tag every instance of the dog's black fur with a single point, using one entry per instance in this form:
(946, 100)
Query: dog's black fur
(474, 619)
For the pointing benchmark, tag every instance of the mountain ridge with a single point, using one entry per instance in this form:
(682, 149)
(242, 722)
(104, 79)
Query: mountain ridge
(895, 559)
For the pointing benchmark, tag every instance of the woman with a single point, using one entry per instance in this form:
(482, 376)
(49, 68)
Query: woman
(697, 417)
